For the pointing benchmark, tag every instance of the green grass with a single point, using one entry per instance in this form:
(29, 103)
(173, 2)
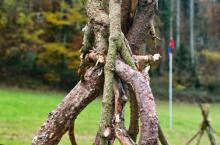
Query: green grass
(22, 112)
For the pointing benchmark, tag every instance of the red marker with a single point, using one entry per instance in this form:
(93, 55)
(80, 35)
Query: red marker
(172, 43)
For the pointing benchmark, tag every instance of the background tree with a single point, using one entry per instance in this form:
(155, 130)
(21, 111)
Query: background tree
(39, 42)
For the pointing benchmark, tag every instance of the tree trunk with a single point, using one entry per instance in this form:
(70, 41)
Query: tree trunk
(178, 24)
(191, 23)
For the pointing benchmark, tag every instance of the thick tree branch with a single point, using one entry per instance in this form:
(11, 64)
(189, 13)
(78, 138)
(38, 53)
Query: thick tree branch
(149, 121)
(142, 24)
(133, 129)
(96, 11)
(59, 120)
(134, 114)
(114, 45)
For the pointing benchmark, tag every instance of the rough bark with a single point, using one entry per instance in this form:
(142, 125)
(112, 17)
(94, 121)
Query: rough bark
(126, 54)
(142, 23)
(149, 121)
(119, 127)
(141, 18)
(59, 120)
(96, 34)
(128, 12)
(133, 129)
(97, 12)
(88, 41)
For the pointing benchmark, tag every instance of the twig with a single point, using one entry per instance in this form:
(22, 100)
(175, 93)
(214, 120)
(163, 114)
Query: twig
(162, 137)
(72, 134)
(120, 101)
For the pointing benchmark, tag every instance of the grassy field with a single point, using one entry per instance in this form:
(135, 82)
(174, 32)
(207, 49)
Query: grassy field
(22, 112)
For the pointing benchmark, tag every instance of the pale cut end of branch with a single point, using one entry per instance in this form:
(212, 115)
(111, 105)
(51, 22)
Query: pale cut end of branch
(141, 60)
(117, 118)
(107, 132)
(146, 70)
(156, 57)
(84, 28)
(147, 58)
(100, 59)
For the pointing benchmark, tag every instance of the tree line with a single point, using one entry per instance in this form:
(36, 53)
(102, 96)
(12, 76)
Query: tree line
(40, 41)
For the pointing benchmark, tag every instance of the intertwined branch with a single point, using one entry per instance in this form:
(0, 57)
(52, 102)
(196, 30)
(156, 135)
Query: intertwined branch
(112, 28)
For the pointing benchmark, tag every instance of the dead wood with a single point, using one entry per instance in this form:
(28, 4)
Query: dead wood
(149, 121)
(72, 134)
(60, 119)
(104, 31)
(205, 127)
(119, 127)
(162, 137)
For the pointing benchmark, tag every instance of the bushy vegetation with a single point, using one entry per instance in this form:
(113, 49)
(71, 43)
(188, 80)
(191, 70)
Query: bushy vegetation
(40, 41)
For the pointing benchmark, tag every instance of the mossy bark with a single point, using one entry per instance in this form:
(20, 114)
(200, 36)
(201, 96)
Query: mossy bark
(114, 45)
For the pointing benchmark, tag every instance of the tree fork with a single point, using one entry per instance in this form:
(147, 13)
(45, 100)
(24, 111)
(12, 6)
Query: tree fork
(73, 103)
(98, 19)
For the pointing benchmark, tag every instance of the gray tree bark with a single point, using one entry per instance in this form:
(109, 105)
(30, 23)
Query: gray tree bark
(178, 24)
(192, 47)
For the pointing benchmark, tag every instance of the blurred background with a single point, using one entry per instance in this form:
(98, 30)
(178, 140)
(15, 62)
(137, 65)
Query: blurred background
(39, 57)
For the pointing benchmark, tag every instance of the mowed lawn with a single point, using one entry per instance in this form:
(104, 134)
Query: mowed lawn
(23, 111)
